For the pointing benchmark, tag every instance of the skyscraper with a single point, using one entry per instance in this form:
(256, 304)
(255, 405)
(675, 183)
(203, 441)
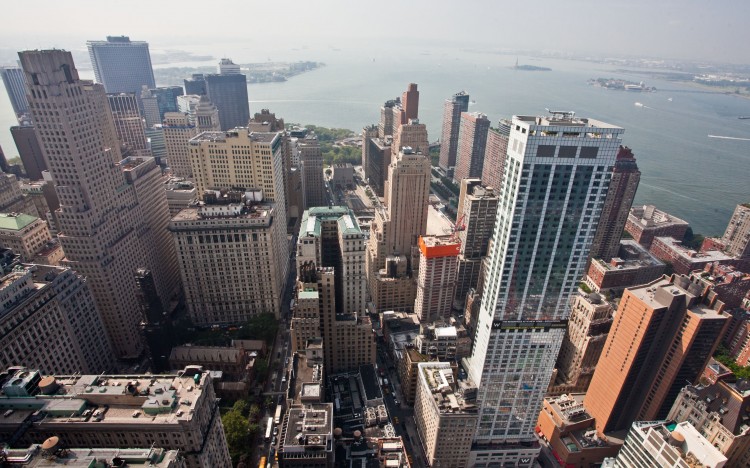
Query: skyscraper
(451, 120)
(472, 143)
(207, 115)
(28, 148)
(178, 130)
(391, 251)
(410, 134)
(410, 103)
(166, 99)
(14, 85)
(121, 65)
(550, 201)
(331, 289)
(663, 334)
(495, 154)
(229, 95)
(436, 282)
(196, 84)
(129, 124)
(311, 158)
(622, 188)
(227, 67)
(113, 216)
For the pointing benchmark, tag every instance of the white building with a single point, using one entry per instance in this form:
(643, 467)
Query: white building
(555, 183)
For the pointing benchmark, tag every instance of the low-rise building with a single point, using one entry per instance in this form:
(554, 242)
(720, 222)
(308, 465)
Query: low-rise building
(24, 234)
(632, 266)
(445, 413)
(343, 175)
(443, 341)
(647, 222)
(173, 412)
(181, 193)
(571, 433)
(683, 259)
(664, 444)
(232, 362)
(721, 413)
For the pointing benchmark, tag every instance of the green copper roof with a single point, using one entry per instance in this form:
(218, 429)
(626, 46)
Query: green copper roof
(14, 221)
(310, 225)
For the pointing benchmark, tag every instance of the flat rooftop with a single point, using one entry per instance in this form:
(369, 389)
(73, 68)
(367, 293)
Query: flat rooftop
(308, 427)
(91, 400)
(661, 292)
(563, 119)
(649, 216)
(261, 213)
(631, 256)
(691, 255)
(448, 399)
(32, 457)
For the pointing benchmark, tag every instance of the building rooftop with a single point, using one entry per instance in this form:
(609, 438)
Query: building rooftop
(308, 428)
(15, 221)
(563, 119)
(692, 255)
(205, 354)
(439, 246)
(630, 256)
(728, 401)
(649, 216)
(569, 407)
(91, 400)
(682, 441)
(41, 456)
(312, 217)
(448, 397)
(660, 293)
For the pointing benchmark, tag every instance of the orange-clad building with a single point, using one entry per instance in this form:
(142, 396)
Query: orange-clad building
(662, 337)
(436, 283)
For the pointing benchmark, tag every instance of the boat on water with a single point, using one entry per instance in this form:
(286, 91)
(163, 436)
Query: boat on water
(744, 117)
(638, 104)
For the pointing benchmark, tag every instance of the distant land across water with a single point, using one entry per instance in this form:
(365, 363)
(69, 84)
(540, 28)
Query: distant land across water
(684, 172)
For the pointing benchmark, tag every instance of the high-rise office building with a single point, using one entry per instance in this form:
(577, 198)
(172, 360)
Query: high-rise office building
(436, 281)
(186, 103)
(475, 221)
(29, 151)
(445, 413)
(311, 159)
(331, 285)
(588, 326)
(238, 158)
(196, 84)
(12, 200)
(178, 130)
(736, 239)
(452, 110)
(62, 330)
(112, 217)
(172, 411)
(16, 88)
(495, 154)
(386, 125)
(550, 201)
(622, 188)
(662, 336)
(392, 249)
(229, 95)
(472, 144)
(121, 65)
(233, 256)
(129, 124)
(150, 107)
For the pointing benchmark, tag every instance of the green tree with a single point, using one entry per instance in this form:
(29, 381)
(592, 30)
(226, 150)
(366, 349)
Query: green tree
(236, 428)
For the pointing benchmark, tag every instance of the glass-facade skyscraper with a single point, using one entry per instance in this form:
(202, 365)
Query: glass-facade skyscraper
(122, 65)
(555, 182)
(14, 84)
(229, 95)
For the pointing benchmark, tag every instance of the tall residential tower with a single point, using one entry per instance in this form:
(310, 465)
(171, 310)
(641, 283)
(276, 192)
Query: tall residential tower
(451, 119)
(550, 199)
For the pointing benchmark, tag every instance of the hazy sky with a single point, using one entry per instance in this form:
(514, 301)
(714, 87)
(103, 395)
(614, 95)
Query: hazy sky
(713, 30)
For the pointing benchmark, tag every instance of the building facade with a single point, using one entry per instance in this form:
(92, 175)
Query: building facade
(171, 411)
(472, 145)
(445, 413)
(121, 65)
(622, 187)
(178, 131)
(436, 281)
(495, 154)
(311, 160)
(25, 235)
(662, 336)
(452, 110)
(29, 151)
(550, 201)
(129, 124)
(13, 80)
(647, 222)
(736, 238)
(229, 95)
(50, 322)
(112, 217)
(233, 257)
